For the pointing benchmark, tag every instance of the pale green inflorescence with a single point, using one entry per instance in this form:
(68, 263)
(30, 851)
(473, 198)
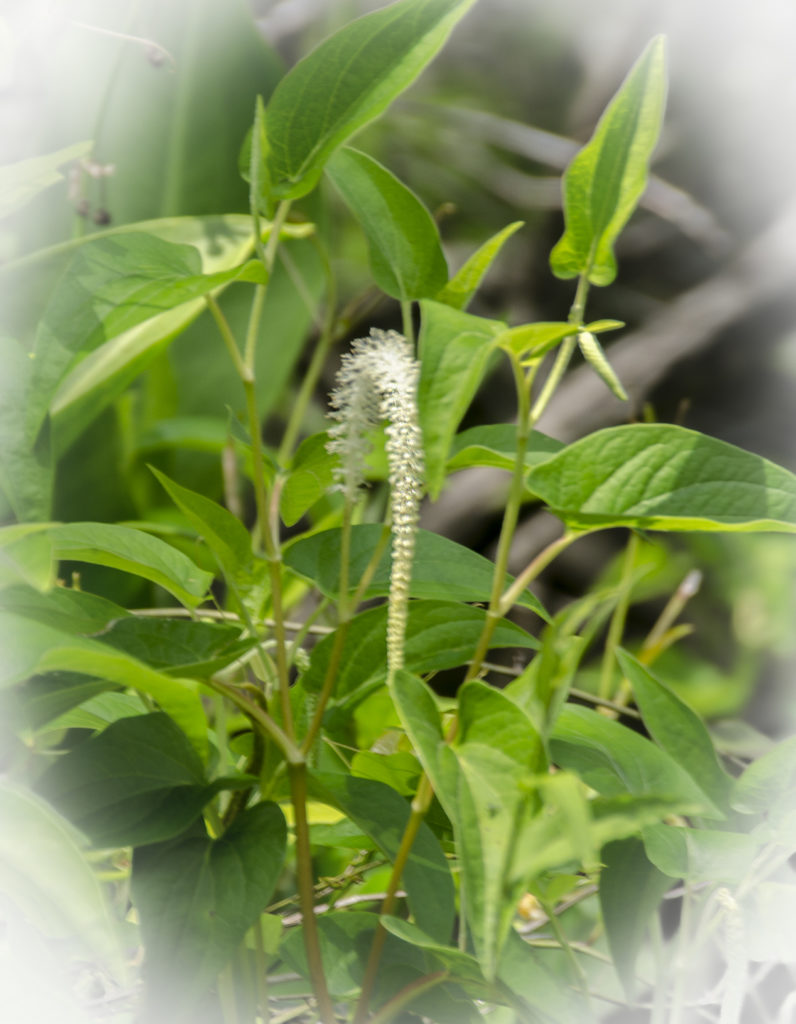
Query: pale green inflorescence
(378, 381)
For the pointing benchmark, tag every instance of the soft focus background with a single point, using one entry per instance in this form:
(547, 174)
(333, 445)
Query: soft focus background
(165, 90)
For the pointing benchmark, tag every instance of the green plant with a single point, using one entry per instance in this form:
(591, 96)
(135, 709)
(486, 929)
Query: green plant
(248, 769)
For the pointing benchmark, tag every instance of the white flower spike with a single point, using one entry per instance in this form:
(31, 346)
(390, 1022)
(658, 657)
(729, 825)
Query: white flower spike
(378, 381)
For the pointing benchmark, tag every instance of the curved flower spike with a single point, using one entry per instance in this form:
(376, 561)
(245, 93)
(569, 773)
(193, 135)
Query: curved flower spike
(378, 381)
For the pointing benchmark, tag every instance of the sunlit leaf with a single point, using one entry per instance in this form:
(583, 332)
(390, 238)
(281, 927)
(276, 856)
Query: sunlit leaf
(463, 285)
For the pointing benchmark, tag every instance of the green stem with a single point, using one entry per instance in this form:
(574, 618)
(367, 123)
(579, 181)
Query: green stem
(616, 626)
(226, 333)
(406, 320)
(259, 718)
(576, 313)
(420, 806)
(563, 941)
(298, 794)
(407, 995)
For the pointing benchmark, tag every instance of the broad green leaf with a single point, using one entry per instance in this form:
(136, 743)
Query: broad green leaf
(399, 770)
(631, 889)
(700, 855)
(32, 648)
(442, 570)
(663, 477)
(198, 433)
(310, 477)
(197, 897)
(20, 182)
(496, 445)
(464, 284)
(139, 781)
(382, 814)
(225, 534)
(45, 877)
(607, 177)
(439, 634)
(488, 716)
(26, 470)
(678, 730)
(120, 547)
(406, 257)
(179, 646)
(75, 611)
(613, 760)
(112, 285)
(347, 81)
(768, 785)
(454, 348)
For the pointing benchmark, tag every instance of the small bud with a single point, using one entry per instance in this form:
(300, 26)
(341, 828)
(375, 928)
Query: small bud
(594, 355)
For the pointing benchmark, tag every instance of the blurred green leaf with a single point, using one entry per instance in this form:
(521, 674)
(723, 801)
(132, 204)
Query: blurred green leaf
(120, 547)
(663, 477)
(178, 646)
(31, 648)
(347, 81)
(26, 557)
(700, 855)
(454, 348)
(44, 875)
(406, 257)
(310, 477)
(768, 785)
(21, 181)
(442, 569)
(138, 781)
(197, 898)
(464, 284)
(607, 177)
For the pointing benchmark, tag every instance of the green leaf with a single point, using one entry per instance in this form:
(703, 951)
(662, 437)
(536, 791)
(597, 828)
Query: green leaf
(179, 646)
(464, 284)
(347, 81)
(442, 569)
(535, 976)
(439, 634)
(31, 648)
(121, 547)
(613, 760)
(139, 781)
(26, 470)
(20, 182)
(606, 178)
(100, 711)
(460, 964)
(382, 814)
(310, 477)
(112, 285)
(700, 855)
(197, 897)
(45, 697)
(678, 730)
(406, 257)
(225, 534)
(496, 445)
(533, 340)
(45, 877)
(630, 892)
(454, 348)
(663, 477)
(420, 717)
(75, 611)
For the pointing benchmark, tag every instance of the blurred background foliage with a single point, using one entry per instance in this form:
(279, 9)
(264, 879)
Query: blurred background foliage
(166, 90)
